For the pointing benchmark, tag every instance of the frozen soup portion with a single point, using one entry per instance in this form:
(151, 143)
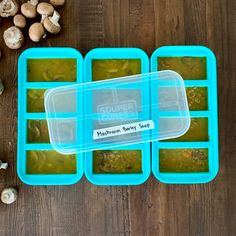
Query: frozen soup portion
(117, 161)
(51, 70)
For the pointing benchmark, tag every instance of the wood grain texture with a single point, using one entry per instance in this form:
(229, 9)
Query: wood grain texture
(152, 208)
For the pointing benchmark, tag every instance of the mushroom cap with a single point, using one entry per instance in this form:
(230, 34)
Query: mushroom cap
(8, 195)
(36, 32)
(19, 21)
(8, 8)
(28, 10)
(51, 27)
(45, 8)
(57, 3)
(13, 37)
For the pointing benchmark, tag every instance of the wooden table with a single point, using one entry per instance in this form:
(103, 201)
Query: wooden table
(152, 208)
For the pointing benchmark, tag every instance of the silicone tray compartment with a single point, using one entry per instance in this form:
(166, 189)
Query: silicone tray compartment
(211, 113)
(24, 116)
(118, 179)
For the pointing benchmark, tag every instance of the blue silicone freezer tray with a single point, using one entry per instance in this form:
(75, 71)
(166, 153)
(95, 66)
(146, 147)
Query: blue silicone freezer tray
(118, 179)
(84, 73)
(211, 114)
(23, 116)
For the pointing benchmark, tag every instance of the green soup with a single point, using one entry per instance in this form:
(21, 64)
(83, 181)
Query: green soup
(117, 161)
(35, 100)
(50, 162)
(198, 131)
(52, 70)
(197, 98)
(190, 68)
(37, 131)
(183, 160)
(114, 68)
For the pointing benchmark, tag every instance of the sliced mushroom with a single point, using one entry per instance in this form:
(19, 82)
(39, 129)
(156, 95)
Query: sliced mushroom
(8, 195)
(19, 21)
(51, 24)
(36, 32)
(8, 8)
(57, 3)
(13, 37)
(28, 9)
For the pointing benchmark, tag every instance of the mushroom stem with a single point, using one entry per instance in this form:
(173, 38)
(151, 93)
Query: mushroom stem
(56, 16)
(43, 18)
(3, 165)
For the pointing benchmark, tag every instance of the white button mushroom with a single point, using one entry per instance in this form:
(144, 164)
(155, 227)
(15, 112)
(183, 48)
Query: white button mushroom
(8, 195)
(57, 3)
(19, 21)
(13, 37)
(8, 8)
(2, 164)
(28, 9)
(51, 23)
(36, 32)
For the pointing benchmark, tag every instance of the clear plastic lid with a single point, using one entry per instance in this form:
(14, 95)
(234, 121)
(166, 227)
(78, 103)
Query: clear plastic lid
(117, 112)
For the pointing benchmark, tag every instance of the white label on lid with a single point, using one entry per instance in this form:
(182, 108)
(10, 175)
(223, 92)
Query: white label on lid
(123, 129)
